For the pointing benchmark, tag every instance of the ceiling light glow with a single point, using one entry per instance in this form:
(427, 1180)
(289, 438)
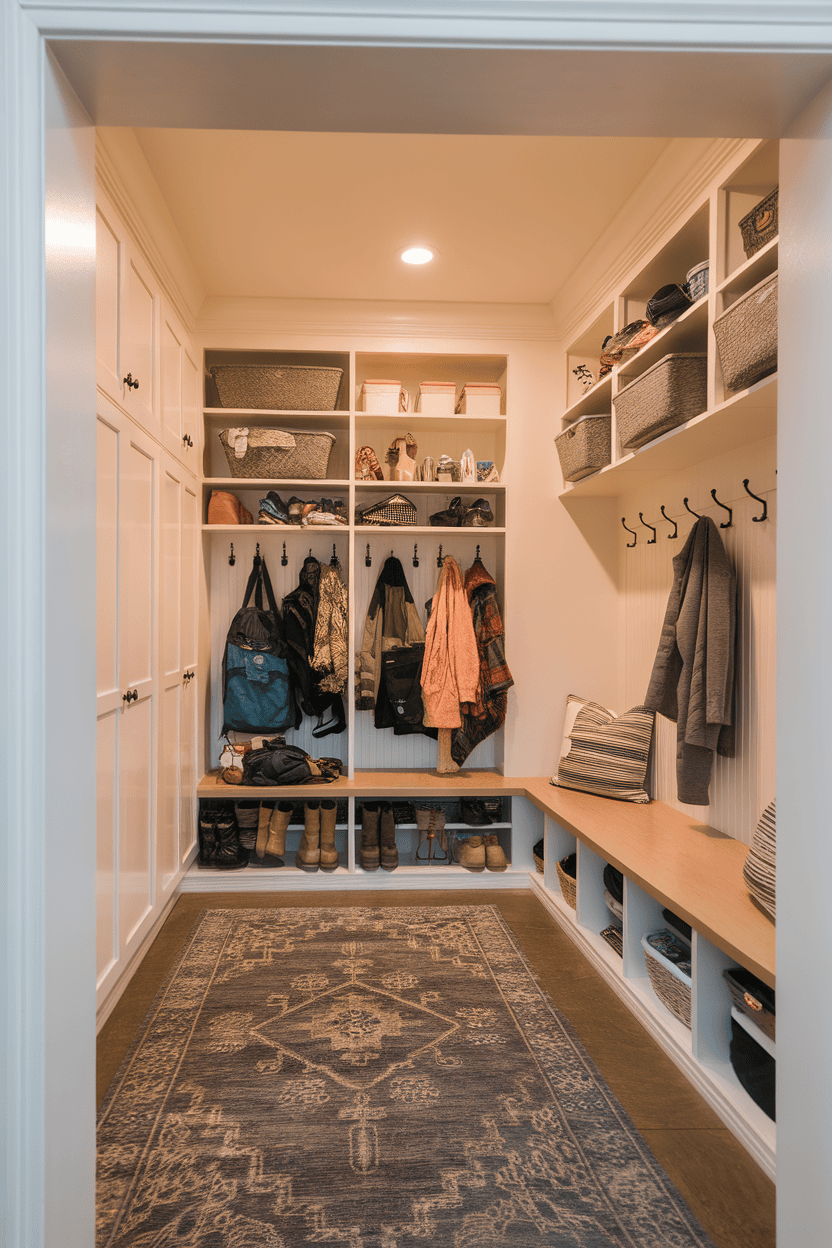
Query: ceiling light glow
(417, 255)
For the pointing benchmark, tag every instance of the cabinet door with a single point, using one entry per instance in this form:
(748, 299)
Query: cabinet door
(179, 398)
(191, 406)
(109, 261)
(140, 342)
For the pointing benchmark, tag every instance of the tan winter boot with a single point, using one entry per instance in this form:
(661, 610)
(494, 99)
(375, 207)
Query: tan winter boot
(329, 854)
(279, 822)
(308, 857)
(471, 854)
(387, 838)
(370, 856)
(495, 859)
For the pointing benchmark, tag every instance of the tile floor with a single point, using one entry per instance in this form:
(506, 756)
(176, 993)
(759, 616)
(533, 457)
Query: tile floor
(727, 1191)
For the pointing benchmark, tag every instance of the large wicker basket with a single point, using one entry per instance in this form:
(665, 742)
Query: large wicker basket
(584, 447)
(666, 395)
(672, 986)
(277, 454)
(568, 884)
(746, 336)
(271, 387)
(761, 224)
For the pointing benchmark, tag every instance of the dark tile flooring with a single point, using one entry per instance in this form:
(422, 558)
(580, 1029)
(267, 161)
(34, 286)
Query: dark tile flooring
(727, 1191)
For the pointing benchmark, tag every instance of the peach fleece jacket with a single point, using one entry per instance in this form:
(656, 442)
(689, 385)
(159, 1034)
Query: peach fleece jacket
(451, 667)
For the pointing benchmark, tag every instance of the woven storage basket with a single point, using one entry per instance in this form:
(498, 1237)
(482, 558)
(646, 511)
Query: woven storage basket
(672, 986)
(288, 387)
(537, 854)
(568, 886)
(584, 447)
(666, 395)
(761, 224)
(746, 336)
(279, 454)
(615, 938)
(752, 997)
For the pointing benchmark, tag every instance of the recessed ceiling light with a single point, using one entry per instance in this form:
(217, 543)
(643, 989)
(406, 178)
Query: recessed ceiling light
(417, 255)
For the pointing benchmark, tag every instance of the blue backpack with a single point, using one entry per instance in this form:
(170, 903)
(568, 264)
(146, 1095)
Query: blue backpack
(256, 687)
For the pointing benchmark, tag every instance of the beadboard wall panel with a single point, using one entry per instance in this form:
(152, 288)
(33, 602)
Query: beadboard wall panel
(743, 785)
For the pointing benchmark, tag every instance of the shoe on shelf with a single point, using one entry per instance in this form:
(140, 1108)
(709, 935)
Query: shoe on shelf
(273, 510)
(295, 508)
(452, 517)
(369, 856)
(479, 515)
(470, 853)
(495, 859)
(472, 811)
(389, 854)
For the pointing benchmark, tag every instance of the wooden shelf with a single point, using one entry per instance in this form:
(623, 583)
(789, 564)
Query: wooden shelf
(762, 264)
(421, 529)
(596, 402)
(432, 487)
(394, 783)
(744, 417)
(258, 417)
(279, 529)
(266, 483)
(417, 423)
(689, 332)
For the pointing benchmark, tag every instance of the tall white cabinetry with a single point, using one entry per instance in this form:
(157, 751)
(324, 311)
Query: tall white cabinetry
(147, 600)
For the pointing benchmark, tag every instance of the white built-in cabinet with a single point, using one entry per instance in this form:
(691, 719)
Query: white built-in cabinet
(148, 518)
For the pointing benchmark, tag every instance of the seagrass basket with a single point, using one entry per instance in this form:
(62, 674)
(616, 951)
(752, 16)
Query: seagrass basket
(672, 391)
(671, 985)
(614, 937)
(584, 447)
(761, 224)
(277, 454)
(285, 387)
(568, 883)
(746, 336)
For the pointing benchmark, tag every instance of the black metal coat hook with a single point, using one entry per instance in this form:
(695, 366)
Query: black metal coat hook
(283, 559)
(675, 532)
(764, 516)
(439, 559)
(729, 522)
(368, 563)
(477, 556)
(690, 509)
(651, 541)
(257, 551)
(232, 558)
(631, 544)
(334, 562)
(415, 555)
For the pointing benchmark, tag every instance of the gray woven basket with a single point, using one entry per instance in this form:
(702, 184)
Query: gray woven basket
(271, 387)
(761, 224)
(746, 336)
(671, 986)
(584, 447)
(666, 395)
(280, 454)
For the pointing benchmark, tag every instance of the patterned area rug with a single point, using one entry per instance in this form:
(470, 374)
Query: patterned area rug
(374, 1078)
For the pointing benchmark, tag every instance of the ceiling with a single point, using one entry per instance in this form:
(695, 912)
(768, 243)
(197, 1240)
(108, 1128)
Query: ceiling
(323, 215)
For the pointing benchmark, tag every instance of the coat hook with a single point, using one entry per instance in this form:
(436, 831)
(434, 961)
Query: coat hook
(232, 558)
(415, 555)
(257, 551)
(764, 516)
(631, 544)
(690, 509)
(284, 561)
(439, 560)
(334, 562)
(729, 522)
(477, 556)
(651, 541)
(368, 563)
(675, 532)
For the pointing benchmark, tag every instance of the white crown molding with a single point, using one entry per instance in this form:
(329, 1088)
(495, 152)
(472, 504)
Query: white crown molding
(618, 252)
(181, 290)
(263, 320)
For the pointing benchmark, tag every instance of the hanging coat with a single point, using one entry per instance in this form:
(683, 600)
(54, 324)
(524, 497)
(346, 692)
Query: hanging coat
(451, 668)
(392, 620)
(300, 615)
(487, 713)
(693, 672)
(330, 657)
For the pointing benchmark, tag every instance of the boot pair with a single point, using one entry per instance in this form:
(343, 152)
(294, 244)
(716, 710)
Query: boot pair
(378, 837)
(317, 846)
(433, 845)
(476, 853)
(219, 840)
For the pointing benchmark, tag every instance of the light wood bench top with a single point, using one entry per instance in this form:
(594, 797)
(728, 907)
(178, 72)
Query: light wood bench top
(688, 866)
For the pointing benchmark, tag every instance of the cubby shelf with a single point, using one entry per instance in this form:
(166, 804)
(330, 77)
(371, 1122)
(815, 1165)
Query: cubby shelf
(264, 483)
(433, 487)
(762, 264)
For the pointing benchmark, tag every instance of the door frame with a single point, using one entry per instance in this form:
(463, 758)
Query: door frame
(47, 626)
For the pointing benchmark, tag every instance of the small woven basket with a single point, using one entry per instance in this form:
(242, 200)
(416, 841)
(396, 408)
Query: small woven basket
(671, 986)
(746, 336)
(615, 938)
(568, 886)
(538, 862)
(279, 455)
(761, 224)
(584, 447)
(666, 395)
(289, 387)
(752, 998)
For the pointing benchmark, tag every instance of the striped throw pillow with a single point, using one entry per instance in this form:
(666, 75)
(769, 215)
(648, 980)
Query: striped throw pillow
(759, 870)
(605, 753)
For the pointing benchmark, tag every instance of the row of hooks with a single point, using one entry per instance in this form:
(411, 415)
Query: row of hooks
(334, 562)
(440, 558)
(725, 524)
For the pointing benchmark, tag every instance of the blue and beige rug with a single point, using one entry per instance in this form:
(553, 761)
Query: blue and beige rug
(369, 1078)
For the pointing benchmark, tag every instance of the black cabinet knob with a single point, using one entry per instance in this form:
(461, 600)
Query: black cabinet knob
(125, 697)
(130, 382)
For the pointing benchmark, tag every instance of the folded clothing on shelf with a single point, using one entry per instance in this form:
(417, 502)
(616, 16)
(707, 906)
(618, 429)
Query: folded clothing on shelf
(327, 512)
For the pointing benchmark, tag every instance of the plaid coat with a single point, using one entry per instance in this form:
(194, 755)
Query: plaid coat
(487, 712)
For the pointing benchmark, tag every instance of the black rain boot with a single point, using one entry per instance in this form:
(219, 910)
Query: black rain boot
(228, 852)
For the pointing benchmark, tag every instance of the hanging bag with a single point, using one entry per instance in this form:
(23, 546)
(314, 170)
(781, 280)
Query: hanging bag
(256, 688)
